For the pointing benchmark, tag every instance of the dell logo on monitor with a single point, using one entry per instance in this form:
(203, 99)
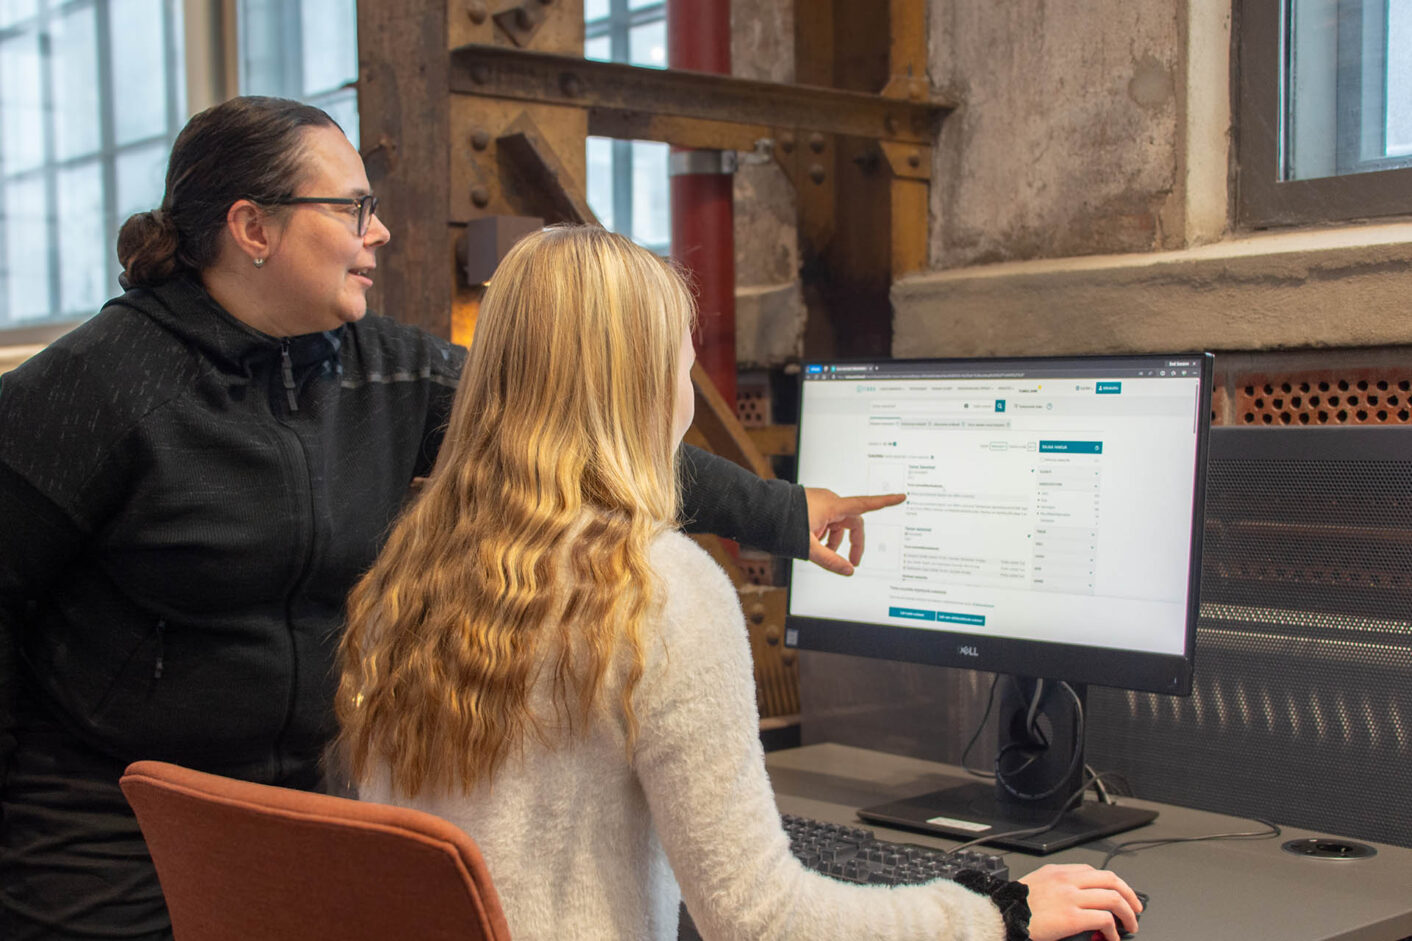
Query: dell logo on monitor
(968, 650)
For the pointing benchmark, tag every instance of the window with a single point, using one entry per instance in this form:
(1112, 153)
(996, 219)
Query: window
(92, 93)
(306, 50)
(627, 180)
(1325, 128)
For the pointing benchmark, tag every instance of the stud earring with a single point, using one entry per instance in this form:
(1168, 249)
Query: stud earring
(259, 262)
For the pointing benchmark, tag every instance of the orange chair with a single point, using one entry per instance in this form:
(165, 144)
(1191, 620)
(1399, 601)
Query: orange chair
(241, 861)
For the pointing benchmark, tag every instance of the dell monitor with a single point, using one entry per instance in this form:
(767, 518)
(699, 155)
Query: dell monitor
(1051, 534)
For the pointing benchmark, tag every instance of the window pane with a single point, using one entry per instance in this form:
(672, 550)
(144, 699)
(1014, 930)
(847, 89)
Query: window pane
(83, 250)
(12, 11)
(627, 180)
(139, 70)
(647, 45)
(75, 73)
(600, 48)
(22, 130)
(600, 179)
(330, 33)
(141, 176)
(342, 106)
(26, 226)
(306, 50)
(594, 10)
(1399, 77)
(651, 204)
(1347, 87)
(261, 25)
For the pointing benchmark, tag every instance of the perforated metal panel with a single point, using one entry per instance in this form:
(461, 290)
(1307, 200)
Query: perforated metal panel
(1360, 396)
(1302, 709)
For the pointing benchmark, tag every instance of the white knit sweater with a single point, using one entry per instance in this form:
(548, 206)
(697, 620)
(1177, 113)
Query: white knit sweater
(582, 842)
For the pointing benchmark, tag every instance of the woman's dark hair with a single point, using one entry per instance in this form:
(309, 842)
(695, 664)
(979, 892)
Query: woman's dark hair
(245, 148)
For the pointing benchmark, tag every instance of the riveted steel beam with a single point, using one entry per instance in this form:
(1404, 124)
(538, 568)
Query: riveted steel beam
(606, 87)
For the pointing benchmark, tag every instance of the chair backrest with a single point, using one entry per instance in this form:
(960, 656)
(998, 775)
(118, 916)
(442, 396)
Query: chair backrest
(239, 860)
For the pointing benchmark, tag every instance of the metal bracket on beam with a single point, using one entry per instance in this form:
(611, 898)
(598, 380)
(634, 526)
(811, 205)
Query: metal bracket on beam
(692, 162)
(522, 22)
(502, 72)
(908, 161)
(524, 147)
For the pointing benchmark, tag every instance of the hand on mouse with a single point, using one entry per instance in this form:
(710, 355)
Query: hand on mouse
(1068, 899)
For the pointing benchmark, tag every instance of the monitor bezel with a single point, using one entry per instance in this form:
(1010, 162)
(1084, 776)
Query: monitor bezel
(1100, 666)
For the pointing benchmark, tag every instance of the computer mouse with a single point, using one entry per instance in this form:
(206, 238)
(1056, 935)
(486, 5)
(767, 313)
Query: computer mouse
(1122, 932)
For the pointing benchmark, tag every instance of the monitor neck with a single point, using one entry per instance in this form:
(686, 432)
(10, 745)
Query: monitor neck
(1039, 760)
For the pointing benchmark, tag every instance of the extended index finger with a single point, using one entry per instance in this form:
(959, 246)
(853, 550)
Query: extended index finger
(852, 506)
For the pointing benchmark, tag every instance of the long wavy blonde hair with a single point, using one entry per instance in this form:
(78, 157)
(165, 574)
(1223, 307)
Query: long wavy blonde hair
(527, 548)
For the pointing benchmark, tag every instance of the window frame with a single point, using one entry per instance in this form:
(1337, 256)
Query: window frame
(1263, 200)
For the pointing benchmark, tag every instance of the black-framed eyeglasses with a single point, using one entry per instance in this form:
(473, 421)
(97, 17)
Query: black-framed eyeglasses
(367, 205)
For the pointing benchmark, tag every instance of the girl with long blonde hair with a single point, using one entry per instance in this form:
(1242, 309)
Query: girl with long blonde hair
(541, 658)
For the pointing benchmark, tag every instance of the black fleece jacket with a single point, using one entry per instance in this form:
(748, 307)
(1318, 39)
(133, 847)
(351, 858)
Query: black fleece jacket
(186, 503)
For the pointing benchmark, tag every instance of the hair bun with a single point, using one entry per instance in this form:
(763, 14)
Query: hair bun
(147, 248)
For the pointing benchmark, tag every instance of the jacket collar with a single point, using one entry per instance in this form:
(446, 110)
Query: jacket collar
(182, 307)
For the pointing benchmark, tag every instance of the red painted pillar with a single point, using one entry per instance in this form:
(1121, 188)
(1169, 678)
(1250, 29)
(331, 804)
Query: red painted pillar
(703, 215)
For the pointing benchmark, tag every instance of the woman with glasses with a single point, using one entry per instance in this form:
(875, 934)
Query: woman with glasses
(190, 484)
(540, 658)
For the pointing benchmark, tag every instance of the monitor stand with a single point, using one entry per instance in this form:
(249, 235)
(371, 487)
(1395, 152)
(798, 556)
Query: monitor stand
(1041, 765)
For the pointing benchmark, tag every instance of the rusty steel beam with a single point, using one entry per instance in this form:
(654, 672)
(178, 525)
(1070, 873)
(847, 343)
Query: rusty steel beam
(684, 132)
(501, 72)
(720, 430)
(405, 127)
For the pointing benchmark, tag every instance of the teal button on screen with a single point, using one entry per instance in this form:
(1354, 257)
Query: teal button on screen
(914, 614)
(975, 620)
(1110, 388)
(1072, 447)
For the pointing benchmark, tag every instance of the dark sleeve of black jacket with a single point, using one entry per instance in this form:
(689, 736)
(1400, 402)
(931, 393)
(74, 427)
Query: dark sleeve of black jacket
(36, 542)
(724, 499)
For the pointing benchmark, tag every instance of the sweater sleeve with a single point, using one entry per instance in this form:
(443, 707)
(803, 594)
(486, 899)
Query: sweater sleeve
(701, 765)
(724, 499)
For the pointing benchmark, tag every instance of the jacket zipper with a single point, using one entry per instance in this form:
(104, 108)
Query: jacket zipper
(298, 462)
(287, 370)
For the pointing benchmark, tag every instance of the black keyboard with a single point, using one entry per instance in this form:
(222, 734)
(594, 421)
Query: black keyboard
(853, 854)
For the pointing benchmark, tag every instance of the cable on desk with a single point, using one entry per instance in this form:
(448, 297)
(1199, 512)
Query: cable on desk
(1135, 846)
(1099, 788)
(1050, 824)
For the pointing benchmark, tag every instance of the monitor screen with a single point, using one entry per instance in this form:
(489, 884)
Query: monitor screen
(1052, 521)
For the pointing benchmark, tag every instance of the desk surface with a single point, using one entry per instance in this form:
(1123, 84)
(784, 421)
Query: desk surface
(1230, 889)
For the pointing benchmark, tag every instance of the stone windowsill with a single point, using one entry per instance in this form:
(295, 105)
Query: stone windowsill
(1337, 287)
